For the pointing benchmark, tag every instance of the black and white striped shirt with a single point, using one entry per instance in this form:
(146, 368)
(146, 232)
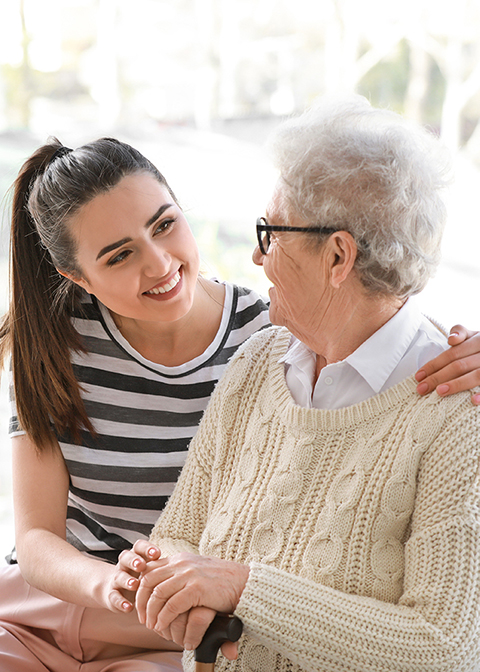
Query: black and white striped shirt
(145, 415)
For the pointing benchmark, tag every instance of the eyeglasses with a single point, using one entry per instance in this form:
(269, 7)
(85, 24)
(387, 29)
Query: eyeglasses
(263, 232)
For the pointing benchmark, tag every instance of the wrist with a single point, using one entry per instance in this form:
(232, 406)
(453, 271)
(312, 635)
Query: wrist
(102, 576)
(243, 574)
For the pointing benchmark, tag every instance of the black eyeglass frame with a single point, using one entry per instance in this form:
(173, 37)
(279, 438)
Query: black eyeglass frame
(267, 228)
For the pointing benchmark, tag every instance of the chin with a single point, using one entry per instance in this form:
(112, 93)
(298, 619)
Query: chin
(275, 317)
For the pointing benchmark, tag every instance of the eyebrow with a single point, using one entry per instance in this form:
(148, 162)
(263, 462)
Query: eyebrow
(123, 241)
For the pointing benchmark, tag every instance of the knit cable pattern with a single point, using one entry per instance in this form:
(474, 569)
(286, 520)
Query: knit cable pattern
(360, 525)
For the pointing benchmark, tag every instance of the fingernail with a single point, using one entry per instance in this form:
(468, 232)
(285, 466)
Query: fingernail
(422, 388)
(476, 399)
(443, 389)
(152, 551)
(125, 605)
(136, 564)
(420, 375)
(131, 582)
(187, 646)
(454, 333)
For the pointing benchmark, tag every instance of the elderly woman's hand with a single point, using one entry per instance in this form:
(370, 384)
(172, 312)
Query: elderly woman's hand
(455, 370)
(179, 596)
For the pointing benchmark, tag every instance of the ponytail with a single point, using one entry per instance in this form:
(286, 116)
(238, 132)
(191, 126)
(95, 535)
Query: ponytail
(37, 330)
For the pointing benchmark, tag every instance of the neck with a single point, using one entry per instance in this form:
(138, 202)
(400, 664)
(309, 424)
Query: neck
(347, 323)
(171, 343)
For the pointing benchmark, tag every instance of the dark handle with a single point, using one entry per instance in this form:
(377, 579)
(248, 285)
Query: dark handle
(222, 629)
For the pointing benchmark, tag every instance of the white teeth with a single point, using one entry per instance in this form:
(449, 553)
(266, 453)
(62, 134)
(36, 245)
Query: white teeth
(166, 288)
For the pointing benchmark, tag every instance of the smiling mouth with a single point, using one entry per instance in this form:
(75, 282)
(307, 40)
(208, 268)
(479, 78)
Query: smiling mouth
(164, 289)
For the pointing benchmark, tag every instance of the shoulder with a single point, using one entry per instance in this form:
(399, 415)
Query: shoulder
(247, 373)
(268, 344)
(85, 307)
(249, 313)
(251, 294)
(449, 426)
(252, 359)
(249, 303)
(87, 320)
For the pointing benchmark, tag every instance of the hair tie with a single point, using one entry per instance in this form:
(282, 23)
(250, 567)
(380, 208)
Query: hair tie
(61, 151)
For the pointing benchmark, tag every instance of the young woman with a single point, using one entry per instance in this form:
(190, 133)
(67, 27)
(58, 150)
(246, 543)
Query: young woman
(116, 344)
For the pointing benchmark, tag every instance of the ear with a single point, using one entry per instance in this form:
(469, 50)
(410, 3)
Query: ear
(344, 252)
(77, 280)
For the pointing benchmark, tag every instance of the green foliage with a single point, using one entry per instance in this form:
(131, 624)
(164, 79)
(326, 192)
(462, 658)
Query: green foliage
(386, 83)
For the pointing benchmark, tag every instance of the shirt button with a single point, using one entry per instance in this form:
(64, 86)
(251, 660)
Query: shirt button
(328, 380)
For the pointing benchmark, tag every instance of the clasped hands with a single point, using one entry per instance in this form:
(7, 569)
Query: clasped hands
(177, 596)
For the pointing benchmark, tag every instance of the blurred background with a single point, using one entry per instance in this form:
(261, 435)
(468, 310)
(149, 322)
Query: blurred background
(197, 85)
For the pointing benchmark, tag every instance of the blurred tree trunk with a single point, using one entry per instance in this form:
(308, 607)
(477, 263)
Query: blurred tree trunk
(417, 82)
(460, 87)
(344, 64)
(453, 72)
(25, 87)
(105, 88)
(207, 80)
(229, 45)
(341, 47)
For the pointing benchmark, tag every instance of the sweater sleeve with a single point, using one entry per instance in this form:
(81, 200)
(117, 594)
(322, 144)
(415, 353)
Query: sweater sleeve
(436, 624)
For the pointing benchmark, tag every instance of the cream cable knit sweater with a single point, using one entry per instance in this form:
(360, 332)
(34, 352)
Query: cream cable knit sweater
(361, 525)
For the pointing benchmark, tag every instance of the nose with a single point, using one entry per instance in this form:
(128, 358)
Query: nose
(257, 256)
(156, 260)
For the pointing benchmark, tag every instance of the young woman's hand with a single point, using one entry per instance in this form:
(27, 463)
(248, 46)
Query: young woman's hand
(125, 580)
(455, 370)
(179, 596)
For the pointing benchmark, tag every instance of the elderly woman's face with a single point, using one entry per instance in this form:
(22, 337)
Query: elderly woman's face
(299, 296)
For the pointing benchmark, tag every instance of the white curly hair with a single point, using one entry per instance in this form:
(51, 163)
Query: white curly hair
(346, 165)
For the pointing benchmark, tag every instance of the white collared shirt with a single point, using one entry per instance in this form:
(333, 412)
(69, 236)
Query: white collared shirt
(394, 352)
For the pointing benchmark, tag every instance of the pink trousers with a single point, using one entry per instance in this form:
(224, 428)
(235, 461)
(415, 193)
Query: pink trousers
(39, 633)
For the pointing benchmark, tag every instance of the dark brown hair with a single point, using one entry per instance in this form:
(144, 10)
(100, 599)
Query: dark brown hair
(52, 185)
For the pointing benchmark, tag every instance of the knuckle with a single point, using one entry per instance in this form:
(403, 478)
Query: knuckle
(114, 599)
(460, 366)
(117, 578)
(198, 618)
(147, 584)
(170, 609)
(157, 592)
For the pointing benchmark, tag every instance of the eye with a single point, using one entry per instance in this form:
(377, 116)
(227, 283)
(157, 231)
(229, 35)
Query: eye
(164, 225)
(117, 258)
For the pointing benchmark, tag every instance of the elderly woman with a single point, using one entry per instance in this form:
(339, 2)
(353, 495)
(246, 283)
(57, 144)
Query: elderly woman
(324, 501)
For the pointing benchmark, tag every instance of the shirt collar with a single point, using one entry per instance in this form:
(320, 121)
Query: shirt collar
(378, 356)
(298, 354)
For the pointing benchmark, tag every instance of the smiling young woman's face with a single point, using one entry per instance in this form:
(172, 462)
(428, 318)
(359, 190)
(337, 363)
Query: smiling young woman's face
(136, 252)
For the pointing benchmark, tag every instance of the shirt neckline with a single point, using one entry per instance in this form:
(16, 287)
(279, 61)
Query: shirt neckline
(182, 369)
(399, 330)
(327, 419)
